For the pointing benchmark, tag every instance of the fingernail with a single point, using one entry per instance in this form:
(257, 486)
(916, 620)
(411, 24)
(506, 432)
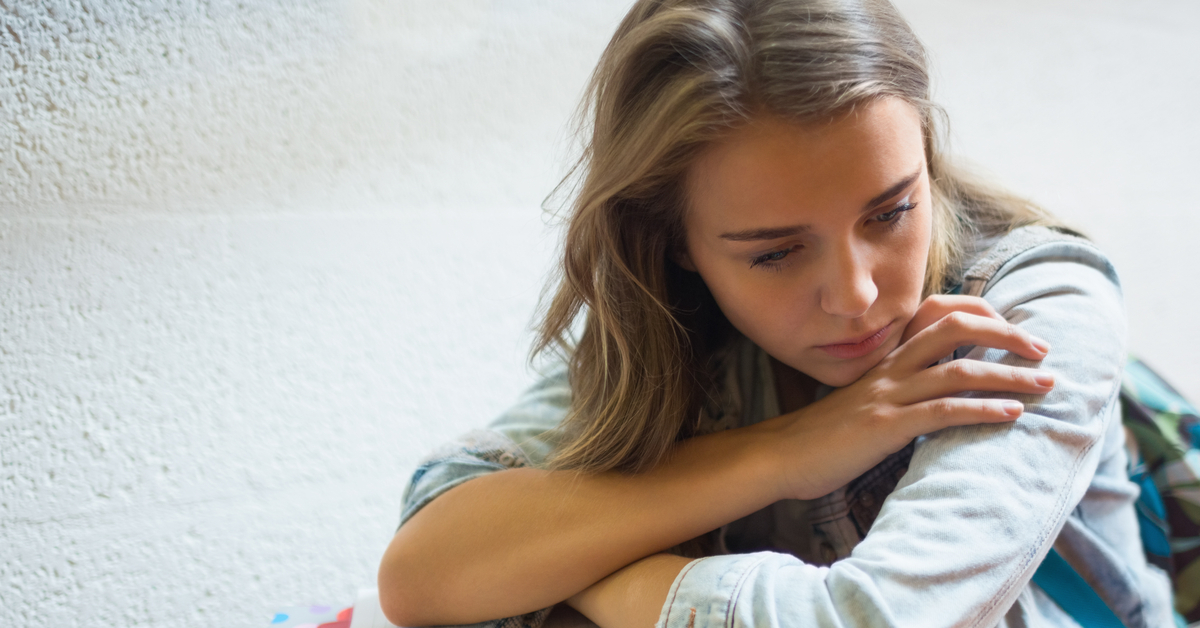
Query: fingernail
(1013, 408)
(1041, 345)
(1045, 380)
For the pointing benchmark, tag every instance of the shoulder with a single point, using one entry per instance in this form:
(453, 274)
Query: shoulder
(532, 422)
(1057, 285)
(1063, 289)
(1048, 247)
(1045, 249)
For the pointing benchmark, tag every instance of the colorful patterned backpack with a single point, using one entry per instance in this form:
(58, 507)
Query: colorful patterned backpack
(1166, 429)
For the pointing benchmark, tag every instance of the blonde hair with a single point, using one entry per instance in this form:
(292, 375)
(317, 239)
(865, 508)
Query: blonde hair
(677, 76)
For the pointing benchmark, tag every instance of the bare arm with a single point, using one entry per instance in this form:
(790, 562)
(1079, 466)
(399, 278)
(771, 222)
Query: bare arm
(584, 526)
(553, 534)
(632, 596)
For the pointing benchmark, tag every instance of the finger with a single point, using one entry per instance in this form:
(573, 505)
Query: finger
(961, 376)
(958, 329)
(931, 416)
(938, 306)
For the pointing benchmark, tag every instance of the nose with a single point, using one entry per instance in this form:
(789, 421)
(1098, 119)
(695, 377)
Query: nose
(849, 289)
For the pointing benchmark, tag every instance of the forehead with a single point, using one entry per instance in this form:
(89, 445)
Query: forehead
(773, 172)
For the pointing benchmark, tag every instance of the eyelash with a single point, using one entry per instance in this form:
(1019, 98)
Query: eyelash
(891, 216)
(890, 220)
(770, 261)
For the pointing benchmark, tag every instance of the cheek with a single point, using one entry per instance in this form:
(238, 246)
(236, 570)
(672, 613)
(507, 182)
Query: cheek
(774, 313)
(912, 259)
(740, 301)
(754, 307)
(909, 272)
(900, 270)
(922, 250)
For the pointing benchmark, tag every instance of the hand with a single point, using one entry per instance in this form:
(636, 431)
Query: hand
(903, 397)
(937, 307)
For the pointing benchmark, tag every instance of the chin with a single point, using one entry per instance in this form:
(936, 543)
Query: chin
(839, 379)
(842, 375)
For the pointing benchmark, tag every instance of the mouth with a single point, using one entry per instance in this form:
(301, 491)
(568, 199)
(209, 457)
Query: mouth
(859, 347)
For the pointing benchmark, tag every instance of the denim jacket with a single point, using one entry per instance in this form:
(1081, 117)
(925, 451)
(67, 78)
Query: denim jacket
(946, 532)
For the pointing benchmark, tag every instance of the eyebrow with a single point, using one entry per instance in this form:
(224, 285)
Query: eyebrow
(772, 233)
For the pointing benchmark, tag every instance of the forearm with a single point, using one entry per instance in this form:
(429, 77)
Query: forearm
(633, 596)
(523, 539)
(518, 540)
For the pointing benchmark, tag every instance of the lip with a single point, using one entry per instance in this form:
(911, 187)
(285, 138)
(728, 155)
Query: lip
(857, 348)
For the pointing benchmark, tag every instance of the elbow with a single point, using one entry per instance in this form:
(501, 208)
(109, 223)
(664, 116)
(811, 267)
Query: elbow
(402, 594)
(396, 596)
(396, 612)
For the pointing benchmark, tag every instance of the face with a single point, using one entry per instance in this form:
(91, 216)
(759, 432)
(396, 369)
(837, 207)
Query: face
(814, 238)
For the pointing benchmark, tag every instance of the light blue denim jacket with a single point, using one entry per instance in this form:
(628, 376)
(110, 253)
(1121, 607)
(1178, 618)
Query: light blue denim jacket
(958, 522)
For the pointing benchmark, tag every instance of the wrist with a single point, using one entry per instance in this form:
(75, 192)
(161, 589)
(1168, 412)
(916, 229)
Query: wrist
(633, 595)
(811, 452)
(774, 451)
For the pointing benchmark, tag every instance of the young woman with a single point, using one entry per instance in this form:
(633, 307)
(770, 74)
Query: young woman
(776, 270)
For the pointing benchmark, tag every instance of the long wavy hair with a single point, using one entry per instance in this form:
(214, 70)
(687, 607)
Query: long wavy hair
(677, 76)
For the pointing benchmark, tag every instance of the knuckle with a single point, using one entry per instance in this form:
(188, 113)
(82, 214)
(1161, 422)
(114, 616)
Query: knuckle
(961, 320)
(951, 322)
(1018, 376)
(956, 318)
(943, 408)
(881, 418)
(960, 370)
(878, 389)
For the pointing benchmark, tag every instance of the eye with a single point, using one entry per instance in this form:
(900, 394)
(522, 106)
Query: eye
(772, 258)
(892, 215)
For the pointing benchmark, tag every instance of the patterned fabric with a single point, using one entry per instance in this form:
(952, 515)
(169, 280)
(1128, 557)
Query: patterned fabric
(1167, 466)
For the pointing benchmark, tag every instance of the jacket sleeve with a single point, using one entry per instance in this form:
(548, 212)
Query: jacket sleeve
(962, 534)
(521, 437)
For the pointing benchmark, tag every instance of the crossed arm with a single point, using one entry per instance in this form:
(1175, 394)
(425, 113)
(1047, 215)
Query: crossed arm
(593, 539)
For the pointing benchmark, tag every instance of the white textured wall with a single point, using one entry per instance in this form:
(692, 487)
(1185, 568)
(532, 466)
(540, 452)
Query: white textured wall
(256, 257)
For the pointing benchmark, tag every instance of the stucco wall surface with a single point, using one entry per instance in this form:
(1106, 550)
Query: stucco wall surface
(257, 257)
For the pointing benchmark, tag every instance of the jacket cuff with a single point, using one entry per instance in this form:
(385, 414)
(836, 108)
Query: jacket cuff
(706, 590)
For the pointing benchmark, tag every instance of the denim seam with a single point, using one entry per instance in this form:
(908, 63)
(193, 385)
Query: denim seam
(735, 596)
(674, 594)
(1060, 508)
(981, 274)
